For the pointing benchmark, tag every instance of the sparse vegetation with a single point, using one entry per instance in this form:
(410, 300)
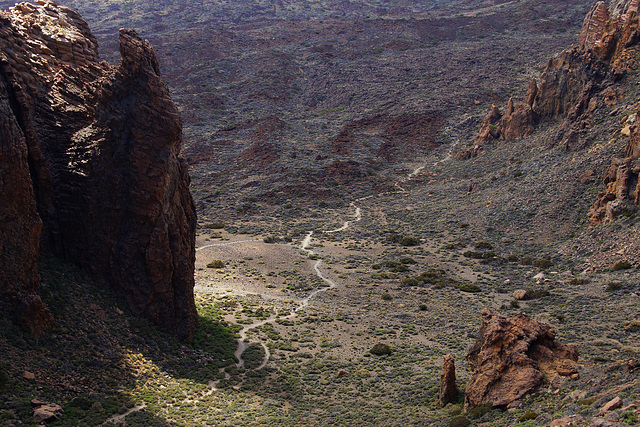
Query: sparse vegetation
(216, 263)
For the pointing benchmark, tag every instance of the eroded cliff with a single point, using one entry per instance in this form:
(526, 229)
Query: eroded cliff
(96, 148)
(575, 83)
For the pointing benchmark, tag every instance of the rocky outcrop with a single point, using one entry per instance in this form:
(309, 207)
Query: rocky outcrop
(511, 357)
(574, 84)
(448, 387)
(594, 25)
(621, 191)
(103, 149)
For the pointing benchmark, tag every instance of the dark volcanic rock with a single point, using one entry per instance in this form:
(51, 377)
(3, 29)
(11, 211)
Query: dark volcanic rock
(20, 225)
(511, 357)
(103, 149)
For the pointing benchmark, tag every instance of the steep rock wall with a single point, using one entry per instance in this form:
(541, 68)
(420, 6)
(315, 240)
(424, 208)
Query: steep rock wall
(103, 148)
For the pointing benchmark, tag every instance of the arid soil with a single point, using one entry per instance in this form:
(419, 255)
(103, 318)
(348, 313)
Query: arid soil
(279, 130)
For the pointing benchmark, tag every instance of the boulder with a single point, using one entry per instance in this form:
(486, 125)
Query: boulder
(46, 413)
(612, 405)
(511, 357)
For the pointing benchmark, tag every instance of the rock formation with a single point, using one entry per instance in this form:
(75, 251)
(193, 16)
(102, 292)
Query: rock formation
(573, 84)
(621, 191)
(103, 150)
(448, 387)
(511, 357)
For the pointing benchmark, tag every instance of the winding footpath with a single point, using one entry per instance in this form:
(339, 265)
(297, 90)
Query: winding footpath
(243, 344)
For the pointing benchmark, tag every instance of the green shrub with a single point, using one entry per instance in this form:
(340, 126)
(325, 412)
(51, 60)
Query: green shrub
(410, 281)
(468, 287)
(422, 306)
(216, 225)
(528, 416)
(622, 265)
(479, 410)
(483, 245)
(387, 296)
(270, 239)
(614, 286)
(380, 349)
(536, 293)
(515, 304)
(459, 421)
(406, 260)
(630, 418)
(526, 260)
(409, 241)
(216, 263)
(578, 281)
(479, 255)
(542, 263)
(456, 245)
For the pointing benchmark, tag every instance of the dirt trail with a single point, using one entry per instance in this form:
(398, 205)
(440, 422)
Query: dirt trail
(243, 344)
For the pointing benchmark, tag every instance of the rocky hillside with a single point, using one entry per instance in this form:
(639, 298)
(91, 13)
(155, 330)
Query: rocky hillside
(91, 168)
(323, 68)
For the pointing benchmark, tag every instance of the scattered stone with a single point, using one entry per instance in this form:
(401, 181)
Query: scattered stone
(28, 375)
(587, 176)
(448, 387)
(520, 294)
(47, 413)
(612, 405)
(562, 422)
(343, 373)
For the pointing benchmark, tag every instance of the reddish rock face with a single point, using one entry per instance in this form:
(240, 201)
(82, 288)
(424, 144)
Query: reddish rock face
(617, 194)
(574, 84)
(511, 357)
(448, 387)
(103, 144)
(594, 25)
